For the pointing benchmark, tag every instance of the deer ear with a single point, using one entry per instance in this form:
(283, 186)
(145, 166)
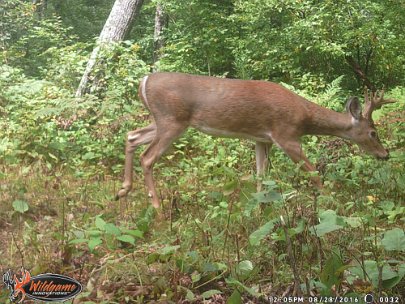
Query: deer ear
(353, 107)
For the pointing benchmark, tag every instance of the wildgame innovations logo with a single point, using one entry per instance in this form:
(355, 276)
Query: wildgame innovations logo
(46, 287)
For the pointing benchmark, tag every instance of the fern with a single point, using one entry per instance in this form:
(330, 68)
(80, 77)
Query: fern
(331, 97)
(65, 107)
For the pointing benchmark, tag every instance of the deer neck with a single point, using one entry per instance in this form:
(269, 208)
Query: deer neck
(323, 121)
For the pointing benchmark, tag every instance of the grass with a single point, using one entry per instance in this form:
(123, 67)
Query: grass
(202, 250)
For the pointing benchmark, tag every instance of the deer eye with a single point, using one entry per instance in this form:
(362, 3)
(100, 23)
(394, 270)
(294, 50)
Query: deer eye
(373, 134)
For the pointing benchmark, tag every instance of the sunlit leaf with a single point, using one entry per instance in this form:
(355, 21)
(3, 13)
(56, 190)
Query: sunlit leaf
(100, 223)
(20, 206)
(208, 294)
(261, 233)
(394, 240)
(126, 239)
(93, 243)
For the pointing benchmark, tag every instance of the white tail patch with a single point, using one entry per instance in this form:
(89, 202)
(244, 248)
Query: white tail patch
(143, 90)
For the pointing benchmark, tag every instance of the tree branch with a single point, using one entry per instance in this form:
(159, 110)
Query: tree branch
(360, 73)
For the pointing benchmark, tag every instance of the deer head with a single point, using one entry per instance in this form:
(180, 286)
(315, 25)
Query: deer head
(363, 132)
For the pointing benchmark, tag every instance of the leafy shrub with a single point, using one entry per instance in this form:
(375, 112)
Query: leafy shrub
(43, 121)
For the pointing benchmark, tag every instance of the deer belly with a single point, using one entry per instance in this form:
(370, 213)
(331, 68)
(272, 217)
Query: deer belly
(231, 134)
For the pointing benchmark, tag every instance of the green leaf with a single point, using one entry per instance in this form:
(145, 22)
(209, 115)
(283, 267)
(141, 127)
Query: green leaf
(371, 268)
(223, 205)
(100, 223)
(134, 232)
(52, 156)
(221, 266)
(152, 258)
(329, 221)
(89, 156)
(394, 240)
(233, 282)
(261, 233)
(168, 250)
(390, 283)
(208, 294)
(386, 205)
(244, 268)
(267, 196)
(300, 227)
(330, 274)
(126, 239)
(78, 241)
(93, 243)
(190, 295)
(20, 206)
(195, 277)
(230, 187)
(209, 267)
(353, 221)
(94, 233)
(235, 298)
(270, 183)
(110, 228)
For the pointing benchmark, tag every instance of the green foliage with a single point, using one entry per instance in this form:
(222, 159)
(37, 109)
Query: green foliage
(25, 45)
(329, 222)
(197, 40)
(29, 51)
(20, 206)
(65, 64)
(85, 17)
(48, 124)
(120, 71)
(307, 42)
(394, 240)
(261, 233)
(108, 233)
(373, 271)
(16, 19)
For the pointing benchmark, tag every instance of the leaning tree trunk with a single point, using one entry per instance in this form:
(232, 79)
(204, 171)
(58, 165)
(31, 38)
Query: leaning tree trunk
(115, 29)
(159, 42)
(361, 75)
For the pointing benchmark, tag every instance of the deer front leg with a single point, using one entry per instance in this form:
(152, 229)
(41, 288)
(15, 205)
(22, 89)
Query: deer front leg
(135, 138)
(164, 138)
(262, 161)
(294, 151)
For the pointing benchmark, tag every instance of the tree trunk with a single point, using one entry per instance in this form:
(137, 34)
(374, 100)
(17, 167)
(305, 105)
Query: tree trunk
(116, 28)
(360, 73)
(159, 42)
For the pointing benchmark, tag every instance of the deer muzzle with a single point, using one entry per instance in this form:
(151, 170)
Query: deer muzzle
(384, 157)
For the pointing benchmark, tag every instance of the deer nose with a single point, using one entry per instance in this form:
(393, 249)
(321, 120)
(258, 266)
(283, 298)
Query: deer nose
(386, 157)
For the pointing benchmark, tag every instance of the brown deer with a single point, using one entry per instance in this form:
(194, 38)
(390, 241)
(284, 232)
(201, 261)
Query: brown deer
(262, 111)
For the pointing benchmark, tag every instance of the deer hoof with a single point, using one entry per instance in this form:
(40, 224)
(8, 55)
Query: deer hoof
(123, 192)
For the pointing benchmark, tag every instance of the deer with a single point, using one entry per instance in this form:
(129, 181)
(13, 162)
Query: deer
(261, 111)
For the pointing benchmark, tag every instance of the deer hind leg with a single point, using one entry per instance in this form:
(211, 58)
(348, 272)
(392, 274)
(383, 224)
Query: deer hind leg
(162, 141)
(262, 161)
(135, 138)
(294, 151)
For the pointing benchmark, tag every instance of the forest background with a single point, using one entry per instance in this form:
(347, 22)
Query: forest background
(62, 154)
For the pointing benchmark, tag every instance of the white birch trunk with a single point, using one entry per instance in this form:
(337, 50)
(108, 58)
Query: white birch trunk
(115, 29)
(160, 24)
